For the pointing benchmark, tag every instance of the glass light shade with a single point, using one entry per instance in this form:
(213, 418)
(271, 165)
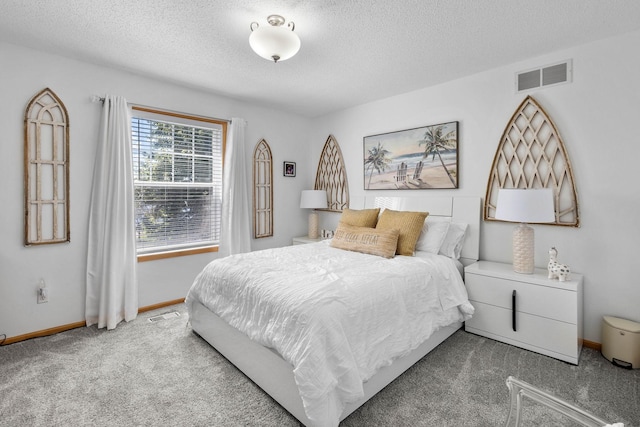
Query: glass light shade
(525, 205)
(275, 43)
(313, 199)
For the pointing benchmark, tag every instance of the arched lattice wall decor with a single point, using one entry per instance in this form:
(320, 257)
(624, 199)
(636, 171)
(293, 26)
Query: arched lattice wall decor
(531, 154)
(332, 176)
(262, 190)
(46, 170)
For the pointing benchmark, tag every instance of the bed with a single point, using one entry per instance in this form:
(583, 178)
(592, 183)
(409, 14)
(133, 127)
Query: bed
(304, 334)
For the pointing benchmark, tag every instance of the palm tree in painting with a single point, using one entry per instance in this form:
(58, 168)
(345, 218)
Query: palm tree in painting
(377, 160)
(435, 142)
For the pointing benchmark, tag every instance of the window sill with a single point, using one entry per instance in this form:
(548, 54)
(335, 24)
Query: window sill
(177, 253)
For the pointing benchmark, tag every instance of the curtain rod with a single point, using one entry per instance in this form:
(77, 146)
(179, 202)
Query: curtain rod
(96, 98)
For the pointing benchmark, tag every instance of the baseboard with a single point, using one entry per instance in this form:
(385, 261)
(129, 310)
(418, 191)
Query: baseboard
(44, 332)
(160, 305)
(593, 345)
(69, 326)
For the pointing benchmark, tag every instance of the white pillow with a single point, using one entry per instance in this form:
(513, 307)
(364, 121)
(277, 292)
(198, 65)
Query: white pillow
(452, 245)
(432, 236)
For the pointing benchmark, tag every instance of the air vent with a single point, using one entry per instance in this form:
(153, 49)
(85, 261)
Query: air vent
(164, 316)
(550, 75)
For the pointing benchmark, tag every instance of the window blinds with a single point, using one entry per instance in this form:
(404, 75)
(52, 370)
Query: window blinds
(178, 184)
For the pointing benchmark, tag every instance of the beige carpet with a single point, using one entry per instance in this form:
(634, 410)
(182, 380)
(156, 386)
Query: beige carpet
(162, 374)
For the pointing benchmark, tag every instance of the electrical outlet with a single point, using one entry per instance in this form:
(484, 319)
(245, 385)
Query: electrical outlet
(43, 292)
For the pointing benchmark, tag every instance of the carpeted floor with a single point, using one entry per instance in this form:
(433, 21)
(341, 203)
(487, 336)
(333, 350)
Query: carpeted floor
(162, 374)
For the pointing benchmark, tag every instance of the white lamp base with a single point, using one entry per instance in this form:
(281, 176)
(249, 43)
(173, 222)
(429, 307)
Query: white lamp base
(523, 249)
(313, 225)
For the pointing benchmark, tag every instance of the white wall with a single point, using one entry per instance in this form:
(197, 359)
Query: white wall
(24, 73)
(596, 116)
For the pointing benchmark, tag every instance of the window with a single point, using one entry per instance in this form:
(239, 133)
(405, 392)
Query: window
(177, 172)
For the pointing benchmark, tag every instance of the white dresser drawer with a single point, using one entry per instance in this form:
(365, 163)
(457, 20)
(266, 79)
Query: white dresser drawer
(548, 313)
(534, 299)
(532, 332)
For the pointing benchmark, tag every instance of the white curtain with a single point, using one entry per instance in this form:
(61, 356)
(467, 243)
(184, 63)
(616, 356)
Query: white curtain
(236, 217)
(112, 288)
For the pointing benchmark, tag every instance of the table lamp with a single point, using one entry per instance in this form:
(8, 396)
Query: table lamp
(524, 206)
(313, 199)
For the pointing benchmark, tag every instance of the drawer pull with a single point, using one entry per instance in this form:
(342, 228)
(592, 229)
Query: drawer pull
(513, 311)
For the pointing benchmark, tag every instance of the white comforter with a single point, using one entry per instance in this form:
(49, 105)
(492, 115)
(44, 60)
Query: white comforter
(336, 316)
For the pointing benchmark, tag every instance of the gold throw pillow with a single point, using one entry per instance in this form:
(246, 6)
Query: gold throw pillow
(360, 218)
(408, 223)
(366, 240)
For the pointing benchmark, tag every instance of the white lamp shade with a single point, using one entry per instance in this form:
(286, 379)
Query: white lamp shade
(275, 43)
(525, 205)
(313, 199)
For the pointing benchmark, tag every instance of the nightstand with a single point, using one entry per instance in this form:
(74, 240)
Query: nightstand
(526, 310)
(302, 240)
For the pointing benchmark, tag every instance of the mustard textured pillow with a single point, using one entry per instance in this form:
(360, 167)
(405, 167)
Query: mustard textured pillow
(408, 223)
(360, 218)
(366, 240)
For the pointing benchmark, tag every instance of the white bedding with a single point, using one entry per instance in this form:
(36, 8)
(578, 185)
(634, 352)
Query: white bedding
(336, 316)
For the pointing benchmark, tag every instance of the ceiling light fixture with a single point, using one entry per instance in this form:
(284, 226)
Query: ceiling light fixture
(275, 42)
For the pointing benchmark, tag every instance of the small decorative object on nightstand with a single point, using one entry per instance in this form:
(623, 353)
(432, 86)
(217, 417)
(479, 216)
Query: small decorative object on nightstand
(528, 311)
(327, 234)
(555, 269)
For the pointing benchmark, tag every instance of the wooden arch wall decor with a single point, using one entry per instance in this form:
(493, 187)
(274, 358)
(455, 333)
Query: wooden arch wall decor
(46, 170)
(262, 190)
(531, 154)
(332, 176)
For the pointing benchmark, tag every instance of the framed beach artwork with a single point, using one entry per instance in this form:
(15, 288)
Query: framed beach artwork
(412, 159)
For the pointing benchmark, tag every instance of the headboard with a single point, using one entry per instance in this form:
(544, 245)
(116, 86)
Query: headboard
(454, 209)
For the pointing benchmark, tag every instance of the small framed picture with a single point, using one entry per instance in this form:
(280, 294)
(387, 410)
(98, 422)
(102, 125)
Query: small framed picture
(289, 169)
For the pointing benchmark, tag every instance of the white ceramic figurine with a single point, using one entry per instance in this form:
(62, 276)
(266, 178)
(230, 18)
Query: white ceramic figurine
(557, 270)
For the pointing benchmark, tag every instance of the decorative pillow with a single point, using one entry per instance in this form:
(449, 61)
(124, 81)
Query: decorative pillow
(410, 225)
(432, 236)
(360, 218)
(452, 245)
(366, 240)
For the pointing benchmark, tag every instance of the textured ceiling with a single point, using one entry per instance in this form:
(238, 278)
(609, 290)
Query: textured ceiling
(353, 51)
